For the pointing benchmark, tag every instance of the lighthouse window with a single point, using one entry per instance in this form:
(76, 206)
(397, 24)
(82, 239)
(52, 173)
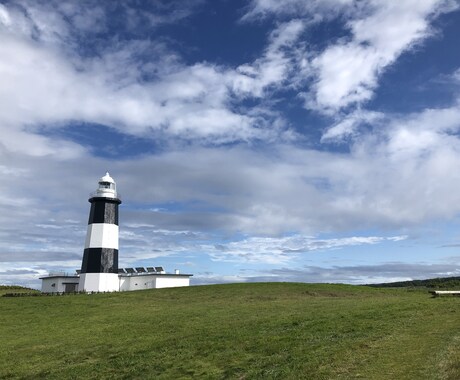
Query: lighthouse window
(105, 185)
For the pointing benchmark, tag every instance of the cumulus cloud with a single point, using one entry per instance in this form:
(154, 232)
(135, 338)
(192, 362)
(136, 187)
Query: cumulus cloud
(276, 64)
(49, 82)
(44, 90)
(348, 71)
(348, 126)
(46, 85)
(397, 175)
(456, 75)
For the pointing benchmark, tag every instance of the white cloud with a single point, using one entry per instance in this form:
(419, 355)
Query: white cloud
(45, 87)
(363, 274)
(285, 249)
(273, 68)
(397, 174)
(4, 16)
(456, 75)
(47, 84)
(349, 125)
(316, 9)
(348, 71)
(23, 275)
(208, 278)
(428, 132)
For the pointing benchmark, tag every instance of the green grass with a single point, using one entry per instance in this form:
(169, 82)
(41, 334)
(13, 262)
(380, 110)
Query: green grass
(238, 331)
(8, 289)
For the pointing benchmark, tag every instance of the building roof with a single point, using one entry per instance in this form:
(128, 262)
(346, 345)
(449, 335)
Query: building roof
(58, 276)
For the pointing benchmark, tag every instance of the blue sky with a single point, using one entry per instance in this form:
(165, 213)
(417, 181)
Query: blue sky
(313, 141)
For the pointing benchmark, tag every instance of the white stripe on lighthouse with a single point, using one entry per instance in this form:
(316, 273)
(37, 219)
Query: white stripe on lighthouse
(102, 235)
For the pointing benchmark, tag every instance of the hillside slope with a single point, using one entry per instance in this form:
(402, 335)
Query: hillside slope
(237, 331)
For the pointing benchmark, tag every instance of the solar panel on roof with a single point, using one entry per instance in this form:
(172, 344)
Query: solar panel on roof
(159, 269)
(121, 270)
(150, 269)
(140, 269)
(130, 270)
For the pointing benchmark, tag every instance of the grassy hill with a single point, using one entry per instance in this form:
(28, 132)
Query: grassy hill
(237, 331)
(9, 289)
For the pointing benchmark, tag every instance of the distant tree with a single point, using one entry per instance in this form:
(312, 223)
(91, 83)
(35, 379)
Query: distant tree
(432, 283)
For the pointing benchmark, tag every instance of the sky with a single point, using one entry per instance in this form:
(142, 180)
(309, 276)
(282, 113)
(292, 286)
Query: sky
(257, 140)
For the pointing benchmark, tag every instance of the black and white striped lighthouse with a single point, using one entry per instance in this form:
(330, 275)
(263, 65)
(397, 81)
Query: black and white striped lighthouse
(99, 269)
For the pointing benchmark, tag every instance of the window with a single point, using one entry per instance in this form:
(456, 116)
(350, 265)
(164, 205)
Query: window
(104, 185)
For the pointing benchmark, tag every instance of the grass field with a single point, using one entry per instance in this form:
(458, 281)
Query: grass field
(238, 331)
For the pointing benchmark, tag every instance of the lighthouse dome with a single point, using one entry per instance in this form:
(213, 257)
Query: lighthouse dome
(107, 178)
(107, 187)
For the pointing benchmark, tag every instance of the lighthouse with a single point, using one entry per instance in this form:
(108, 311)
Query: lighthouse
(99, 269)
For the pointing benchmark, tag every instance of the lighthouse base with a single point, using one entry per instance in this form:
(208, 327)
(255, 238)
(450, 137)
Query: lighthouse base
(99, 282)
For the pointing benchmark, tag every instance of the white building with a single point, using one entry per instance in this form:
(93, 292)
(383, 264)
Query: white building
(128, 280)
(99, 270)
(60, 283)
(152, 280)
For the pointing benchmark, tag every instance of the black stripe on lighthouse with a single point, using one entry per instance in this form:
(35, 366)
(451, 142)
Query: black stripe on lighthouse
(101, 247)
(100, 260)
(104, 210)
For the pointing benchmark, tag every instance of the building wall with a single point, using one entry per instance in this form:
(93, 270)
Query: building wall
(99, 282)
(132, 283)
(152, 281)
(59, 284)
(166, 281)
